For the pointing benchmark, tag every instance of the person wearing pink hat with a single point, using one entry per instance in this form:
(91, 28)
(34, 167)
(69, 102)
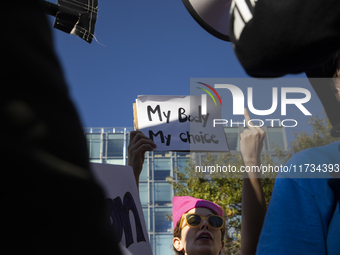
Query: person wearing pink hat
(198, 224)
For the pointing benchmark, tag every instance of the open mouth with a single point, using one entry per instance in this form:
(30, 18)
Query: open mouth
(204, 236)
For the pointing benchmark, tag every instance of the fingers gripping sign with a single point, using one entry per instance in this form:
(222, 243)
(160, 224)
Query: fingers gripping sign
(251, 142)
(138, 145)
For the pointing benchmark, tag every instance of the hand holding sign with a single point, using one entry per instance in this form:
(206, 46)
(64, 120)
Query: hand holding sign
(251, 142)
(138, 145)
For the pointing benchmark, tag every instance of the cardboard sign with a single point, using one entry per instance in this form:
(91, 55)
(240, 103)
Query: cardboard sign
(124, 207)
(181, 123)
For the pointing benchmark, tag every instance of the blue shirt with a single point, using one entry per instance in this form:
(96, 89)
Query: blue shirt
(303, 216)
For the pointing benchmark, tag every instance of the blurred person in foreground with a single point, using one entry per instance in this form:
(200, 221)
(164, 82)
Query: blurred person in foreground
(303, 216)
(273, 38)
(50, 202)
(290, 37)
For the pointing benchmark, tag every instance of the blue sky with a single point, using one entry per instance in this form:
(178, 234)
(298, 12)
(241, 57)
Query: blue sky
(144, 48)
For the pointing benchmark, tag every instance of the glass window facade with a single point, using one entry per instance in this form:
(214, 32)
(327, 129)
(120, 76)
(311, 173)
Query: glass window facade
(276, 138)
(94, 145)
(163, 193)
(233, 137)
(146, 218)
(143, 193)
(162, 168)
(162, 223)
(144, 176)
(115, 145)
(182, 163)
(163, 244)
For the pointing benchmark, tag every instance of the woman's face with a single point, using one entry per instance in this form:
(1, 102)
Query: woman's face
(199, 240)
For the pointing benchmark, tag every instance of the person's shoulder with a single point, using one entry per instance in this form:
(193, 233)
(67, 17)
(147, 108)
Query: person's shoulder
(314, 168)
(310, 169)
(328, 153)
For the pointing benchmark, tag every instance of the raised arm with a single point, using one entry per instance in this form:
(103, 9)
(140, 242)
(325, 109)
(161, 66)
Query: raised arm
(138, 145)
(253, 202)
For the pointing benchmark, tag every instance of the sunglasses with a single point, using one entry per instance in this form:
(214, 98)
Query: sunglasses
(195, 220)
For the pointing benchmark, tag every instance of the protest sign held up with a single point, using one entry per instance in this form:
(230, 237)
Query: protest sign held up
(180, 123)
(123, 207)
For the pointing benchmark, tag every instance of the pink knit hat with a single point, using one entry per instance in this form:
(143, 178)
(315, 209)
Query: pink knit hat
(181, 205)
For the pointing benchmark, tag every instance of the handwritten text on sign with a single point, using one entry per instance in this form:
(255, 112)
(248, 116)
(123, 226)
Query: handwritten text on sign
(178, 123)
(123, 207)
